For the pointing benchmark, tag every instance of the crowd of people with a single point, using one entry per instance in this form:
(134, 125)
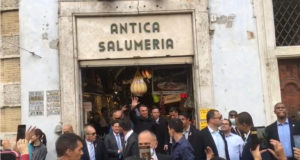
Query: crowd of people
(230, 138)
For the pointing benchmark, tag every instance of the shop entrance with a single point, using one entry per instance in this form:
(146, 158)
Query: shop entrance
(106, 89)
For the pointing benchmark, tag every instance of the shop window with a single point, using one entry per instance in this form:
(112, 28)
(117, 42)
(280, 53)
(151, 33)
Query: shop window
(106, 89)
(287, 22)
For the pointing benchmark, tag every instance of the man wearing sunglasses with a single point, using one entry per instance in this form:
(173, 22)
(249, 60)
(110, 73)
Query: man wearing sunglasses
(213, 139)
(93, 148)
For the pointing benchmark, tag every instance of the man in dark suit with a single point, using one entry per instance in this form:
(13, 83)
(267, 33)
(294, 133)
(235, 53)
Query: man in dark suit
(130, 139)
(191, 133)
(244, 123)
(93, 149)
(113, 142)
(161, 131)
(142, 122)
(211, 137)
(283, 129)
(147, 138)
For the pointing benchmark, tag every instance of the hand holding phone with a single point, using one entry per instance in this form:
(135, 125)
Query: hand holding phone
(21, 132)
(145, 153)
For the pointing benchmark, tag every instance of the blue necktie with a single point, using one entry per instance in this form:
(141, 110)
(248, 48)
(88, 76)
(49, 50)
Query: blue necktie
(119, 142)
(92, 154)
(119, 145)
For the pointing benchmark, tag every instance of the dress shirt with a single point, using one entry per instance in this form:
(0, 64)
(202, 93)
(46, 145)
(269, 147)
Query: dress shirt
(235, 146)
(91, 149)
(284, 134)
(182, 150)
(157, 121)
(127, 136)
(153, 154)
(246, 136)
(186, 133)
(219, 142)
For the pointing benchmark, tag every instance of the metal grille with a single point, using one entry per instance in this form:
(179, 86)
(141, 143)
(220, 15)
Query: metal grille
(287, 22)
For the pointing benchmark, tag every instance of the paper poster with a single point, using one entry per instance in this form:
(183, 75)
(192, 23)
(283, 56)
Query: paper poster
(53, 102)
(87, 106)
(203, 124)
(36, 103)
(203, 113)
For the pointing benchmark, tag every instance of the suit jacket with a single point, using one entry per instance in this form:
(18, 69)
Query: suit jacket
(161, 132)
(272, 132)
(206, 139)
(194, 139)
(132, 146)
(99, 150)
(159, 157)
(111, 147)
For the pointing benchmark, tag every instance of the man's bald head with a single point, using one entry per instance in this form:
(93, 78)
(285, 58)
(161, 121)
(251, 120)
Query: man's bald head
(67, 128)
(147, 138)
(90, 133)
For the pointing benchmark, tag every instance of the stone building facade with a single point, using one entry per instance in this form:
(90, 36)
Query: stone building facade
(242, 57)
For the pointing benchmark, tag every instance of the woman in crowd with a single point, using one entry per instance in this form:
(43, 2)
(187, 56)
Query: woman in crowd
(37, 146)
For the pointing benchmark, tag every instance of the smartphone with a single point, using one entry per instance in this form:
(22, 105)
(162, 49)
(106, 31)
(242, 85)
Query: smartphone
(145, 153)
(21, 132)
(262, 138)
(296, 140)
(254, 139)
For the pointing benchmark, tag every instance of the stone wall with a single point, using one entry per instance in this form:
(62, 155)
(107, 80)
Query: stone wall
(10, 92)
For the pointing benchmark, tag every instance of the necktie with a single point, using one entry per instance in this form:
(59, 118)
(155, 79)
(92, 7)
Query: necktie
(119, 142)
(92, 149)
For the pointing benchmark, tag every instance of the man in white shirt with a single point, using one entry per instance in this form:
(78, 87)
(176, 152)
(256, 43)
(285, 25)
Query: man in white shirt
(234, 142)
(93, 148)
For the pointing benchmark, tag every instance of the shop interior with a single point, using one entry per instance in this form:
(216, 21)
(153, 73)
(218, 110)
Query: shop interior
(107, 89)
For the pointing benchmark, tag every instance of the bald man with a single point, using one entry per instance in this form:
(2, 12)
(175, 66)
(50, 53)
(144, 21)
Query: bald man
(93, 148)
(67, 128)
(147, 138)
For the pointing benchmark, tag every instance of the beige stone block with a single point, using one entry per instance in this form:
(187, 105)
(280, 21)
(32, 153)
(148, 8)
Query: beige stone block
(10, 70)
(10, 46)
(12, 95)
(9, 4)
(9, 119)
(10, 22)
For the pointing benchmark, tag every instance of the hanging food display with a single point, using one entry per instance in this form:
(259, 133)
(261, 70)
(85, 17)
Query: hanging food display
(138, 86)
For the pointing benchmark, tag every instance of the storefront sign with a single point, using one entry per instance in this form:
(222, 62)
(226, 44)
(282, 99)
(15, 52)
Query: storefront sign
(87, 106)
(36, 103)
(134, 36)
(203, 124)
(53, 102)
